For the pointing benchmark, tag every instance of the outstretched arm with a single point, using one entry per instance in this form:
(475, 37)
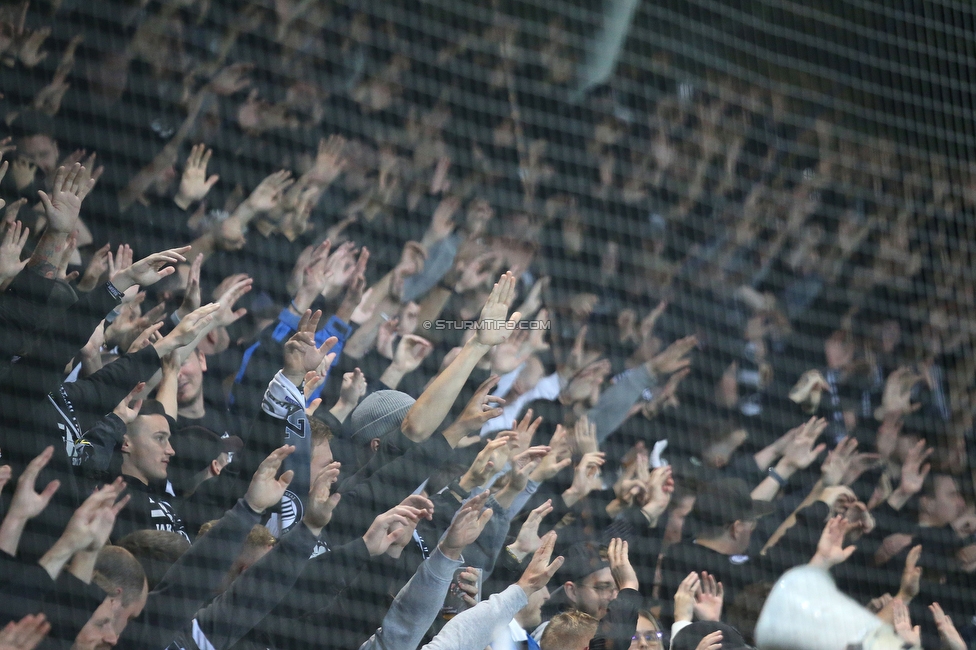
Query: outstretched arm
(434, 404)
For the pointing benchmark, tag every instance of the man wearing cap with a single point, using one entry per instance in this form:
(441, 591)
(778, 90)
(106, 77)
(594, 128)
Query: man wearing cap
(587, 584)
(725, 514)
(195, 471)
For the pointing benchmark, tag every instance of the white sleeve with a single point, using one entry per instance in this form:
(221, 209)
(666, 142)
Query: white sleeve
(475, 628)
(548, 389)
(676, 627)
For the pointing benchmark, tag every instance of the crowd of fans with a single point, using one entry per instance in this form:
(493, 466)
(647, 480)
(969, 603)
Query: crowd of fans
(321, 329)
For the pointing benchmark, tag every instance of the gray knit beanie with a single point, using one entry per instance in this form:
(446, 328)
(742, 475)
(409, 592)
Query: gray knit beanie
(379, 414)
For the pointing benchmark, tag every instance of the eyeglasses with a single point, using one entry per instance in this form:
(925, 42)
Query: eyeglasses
(650, 637)
(602, 588)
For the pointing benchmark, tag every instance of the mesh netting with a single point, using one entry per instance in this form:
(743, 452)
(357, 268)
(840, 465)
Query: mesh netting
(739, 234)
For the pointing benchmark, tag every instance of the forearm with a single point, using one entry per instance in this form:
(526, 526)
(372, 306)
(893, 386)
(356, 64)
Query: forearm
(392, 376)
(790, 521)
(767, 456)
(168, 388)
(204, 245)
(83, 565)
(10, 532)
(434, 303)
(899, 498)
(57, 556)
(614, 404)
(47, 254)
(432, 407)
(770, 487)
(362, 339)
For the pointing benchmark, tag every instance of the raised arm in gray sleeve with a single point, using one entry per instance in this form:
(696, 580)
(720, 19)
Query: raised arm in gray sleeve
(614, 404)
(416, 606)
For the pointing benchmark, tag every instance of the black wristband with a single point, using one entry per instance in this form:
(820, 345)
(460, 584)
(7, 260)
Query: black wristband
(115, 293)
(773, 474)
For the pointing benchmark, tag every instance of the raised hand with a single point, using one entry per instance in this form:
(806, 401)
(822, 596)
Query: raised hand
(90, 526)
(25, 634)
(897, 396)
(188, 329)
(485, 462)
(27, 503)
(149, 270)
(914, 470)
(709, 598)
(838, 462)
(97, 267)
(410, 352)
(711, 641)
(411, 262)
(623, 573)
(191, 295)
(801, 452)
(128, 408)
(586, 478)
(584, 436)
(321, 502)
(684, 597)
(523, 464)
(903, 624)
(830, 548)
(911, 576)
(951, 640)
(14, 239)
(495, 326)
(466, 526)
(660, 487)
(120, 261)
(301, 353)
(69, 189)
(540, 570)
(227, 314)
(329, 161)
(557, 460)
(481, 408)
(528, 540)
(353, 388)
(194, 184)
(393, 530)
(269, 192)
(674, 357)
(267, 488)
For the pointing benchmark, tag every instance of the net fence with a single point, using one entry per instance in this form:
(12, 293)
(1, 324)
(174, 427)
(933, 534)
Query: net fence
(739, 235)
